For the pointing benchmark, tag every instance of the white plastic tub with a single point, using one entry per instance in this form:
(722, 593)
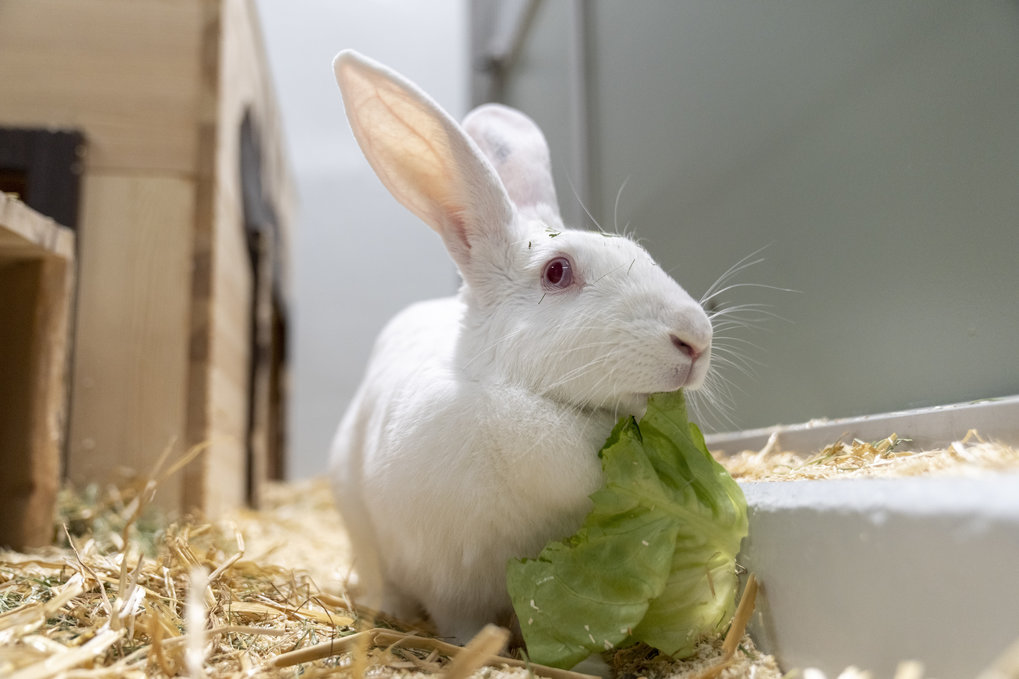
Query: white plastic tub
(873, 572)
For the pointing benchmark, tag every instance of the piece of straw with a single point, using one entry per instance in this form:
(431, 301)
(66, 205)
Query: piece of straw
(195, 615)
(488, 643)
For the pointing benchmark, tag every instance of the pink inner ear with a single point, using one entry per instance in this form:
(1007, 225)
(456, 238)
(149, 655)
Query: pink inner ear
(458, 228)
(428, 163)
(456, 235)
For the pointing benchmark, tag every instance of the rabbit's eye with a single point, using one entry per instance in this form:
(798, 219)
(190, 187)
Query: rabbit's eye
(558, 274)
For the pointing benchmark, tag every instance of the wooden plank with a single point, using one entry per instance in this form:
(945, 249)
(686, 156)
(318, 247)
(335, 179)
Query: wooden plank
(126, 72)
(36, 285)
(224, 480)
(131, 356)
(222, 314)
(200, 413)
(248, 90)
(22, 228)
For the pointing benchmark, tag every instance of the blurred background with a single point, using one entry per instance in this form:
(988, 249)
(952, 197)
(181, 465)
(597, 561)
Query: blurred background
(866, 153)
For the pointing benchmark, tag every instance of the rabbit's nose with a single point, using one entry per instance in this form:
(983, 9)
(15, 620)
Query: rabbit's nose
(687, 346)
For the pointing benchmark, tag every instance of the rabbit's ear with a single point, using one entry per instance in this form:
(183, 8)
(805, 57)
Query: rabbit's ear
(424, 158)
(514, 144)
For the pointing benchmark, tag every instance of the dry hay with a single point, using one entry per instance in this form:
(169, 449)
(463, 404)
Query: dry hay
(888, 457)
(126, 595)
(129, 592)
(115, 600)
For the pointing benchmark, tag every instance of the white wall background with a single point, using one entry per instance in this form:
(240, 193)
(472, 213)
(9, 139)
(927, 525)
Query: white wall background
(359, 256)
(873, 147)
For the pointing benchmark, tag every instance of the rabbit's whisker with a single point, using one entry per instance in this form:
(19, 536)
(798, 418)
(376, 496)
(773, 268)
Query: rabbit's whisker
(733, 286)
(742, 265)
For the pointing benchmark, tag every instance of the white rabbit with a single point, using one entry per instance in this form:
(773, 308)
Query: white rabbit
(474, 437)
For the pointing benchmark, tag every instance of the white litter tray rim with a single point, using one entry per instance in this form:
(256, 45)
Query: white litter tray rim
(993, 496)
(928, 428)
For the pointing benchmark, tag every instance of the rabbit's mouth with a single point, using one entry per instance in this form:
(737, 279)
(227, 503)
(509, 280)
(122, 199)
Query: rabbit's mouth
(688, 375)
(695, 372)
(681, 376)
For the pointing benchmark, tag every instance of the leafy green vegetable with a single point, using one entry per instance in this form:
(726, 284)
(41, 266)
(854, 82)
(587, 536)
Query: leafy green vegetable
(654, 560)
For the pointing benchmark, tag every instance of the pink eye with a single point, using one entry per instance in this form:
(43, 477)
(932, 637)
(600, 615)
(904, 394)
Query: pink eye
(558, 274)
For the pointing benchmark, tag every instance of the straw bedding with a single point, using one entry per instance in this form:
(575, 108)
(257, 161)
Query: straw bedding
(889, 457)
(129, 592)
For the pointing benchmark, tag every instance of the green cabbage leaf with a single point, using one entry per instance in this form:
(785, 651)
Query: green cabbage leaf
(654, 561)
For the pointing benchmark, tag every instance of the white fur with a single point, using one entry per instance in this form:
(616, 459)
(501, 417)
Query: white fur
(474, 436)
